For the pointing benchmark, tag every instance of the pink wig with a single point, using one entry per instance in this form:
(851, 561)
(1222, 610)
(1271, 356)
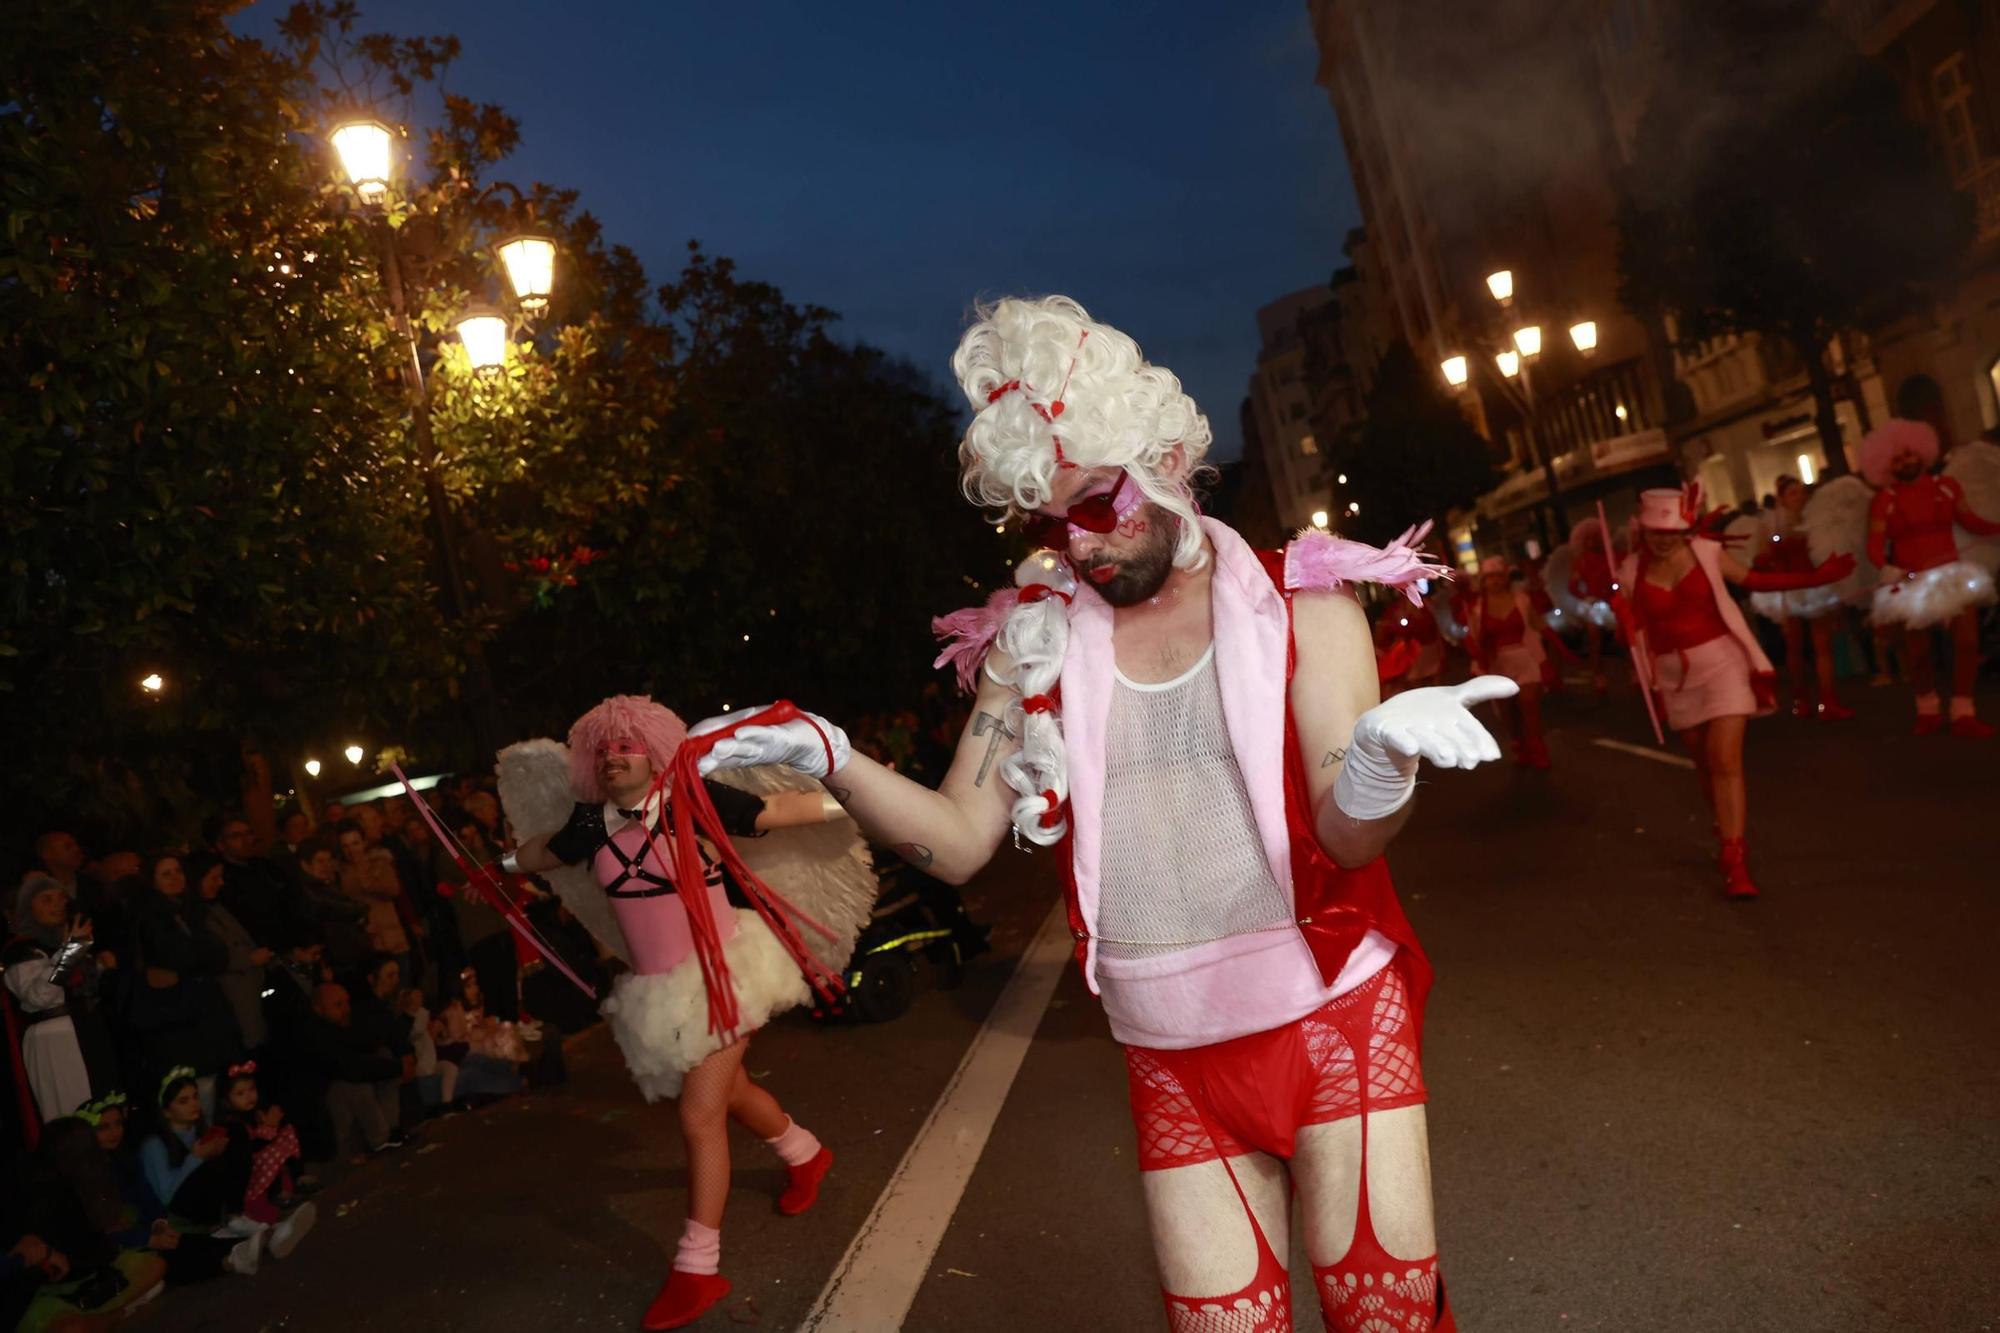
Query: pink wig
(622, 717)
(1892, 437)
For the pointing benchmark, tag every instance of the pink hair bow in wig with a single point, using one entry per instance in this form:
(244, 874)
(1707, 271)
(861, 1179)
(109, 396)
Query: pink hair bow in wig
(1322, 562)
(971, 633)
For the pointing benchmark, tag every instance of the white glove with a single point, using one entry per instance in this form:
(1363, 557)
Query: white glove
(1380, 771)
(796, 745)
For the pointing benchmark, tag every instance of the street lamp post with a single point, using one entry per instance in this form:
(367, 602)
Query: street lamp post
(365, 148)
(1517, 379)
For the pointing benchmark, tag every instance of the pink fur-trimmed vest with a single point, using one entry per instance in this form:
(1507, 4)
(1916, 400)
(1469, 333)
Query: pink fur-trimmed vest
(1708, 554)
(1254, 658)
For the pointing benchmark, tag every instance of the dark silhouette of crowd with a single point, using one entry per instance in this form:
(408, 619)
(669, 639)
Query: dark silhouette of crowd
(197, 1036)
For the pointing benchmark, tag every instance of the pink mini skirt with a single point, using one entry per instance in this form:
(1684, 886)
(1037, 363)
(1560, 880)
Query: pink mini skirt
(1707, 681)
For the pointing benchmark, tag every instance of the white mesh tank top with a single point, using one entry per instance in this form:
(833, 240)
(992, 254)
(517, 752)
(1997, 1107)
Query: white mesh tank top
(1182, 864)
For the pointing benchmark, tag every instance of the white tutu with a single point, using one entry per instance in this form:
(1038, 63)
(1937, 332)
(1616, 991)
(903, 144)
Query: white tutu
(1799, 603)
(1933, 596)
(661, 1020)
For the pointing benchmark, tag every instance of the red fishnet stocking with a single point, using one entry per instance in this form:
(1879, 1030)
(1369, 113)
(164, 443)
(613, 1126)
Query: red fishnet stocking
(1390, 1296)
(1374, 1017)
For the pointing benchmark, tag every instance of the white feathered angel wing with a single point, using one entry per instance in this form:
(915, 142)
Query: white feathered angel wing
(535, 790)
(822, 869)
(1556, 573)
(1835, 522)
(1976, 467)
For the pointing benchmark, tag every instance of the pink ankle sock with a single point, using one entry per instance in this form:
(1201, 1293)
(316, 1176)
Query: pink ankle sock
(700, 1249)
(796, 1146)
(1962, 706)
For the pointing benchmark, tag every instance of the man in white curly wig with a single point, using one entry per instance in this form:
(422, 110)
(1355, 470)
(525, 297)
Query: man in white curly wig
(1199, 727)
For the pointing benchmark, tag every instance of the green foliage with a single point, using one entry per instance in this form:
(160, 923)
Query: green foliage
(212, 468)
(1412, 456)
(1779, 188)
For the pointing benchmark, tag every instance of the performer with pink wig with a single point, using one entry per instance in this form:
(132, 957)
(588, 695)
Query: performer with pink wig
(1925, 582)
(616, 751)
(1693, 649)
(1198, 727)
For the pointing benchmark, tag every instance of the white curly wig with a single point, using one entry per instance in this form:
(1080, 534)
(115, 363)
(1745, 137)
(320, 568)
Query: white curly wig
(1051, 387)
(1048, 386)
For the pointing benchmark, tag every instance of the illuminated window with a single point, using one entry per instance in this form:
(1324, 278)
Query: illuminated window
(1954, 104)
(1308, 445)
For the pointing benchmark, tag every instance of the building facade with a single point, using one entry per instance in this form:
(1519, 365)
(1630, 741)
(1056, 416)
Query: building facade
(1281, 403)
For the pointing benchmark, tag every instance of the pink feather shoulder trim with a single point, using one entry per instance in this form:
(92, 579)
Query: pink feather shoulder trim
(1322, 562)
(970, 634)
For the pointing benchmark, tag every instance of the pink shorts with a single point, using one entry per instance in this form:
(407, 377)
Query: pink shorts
(1355, 1053)
(1707, 681)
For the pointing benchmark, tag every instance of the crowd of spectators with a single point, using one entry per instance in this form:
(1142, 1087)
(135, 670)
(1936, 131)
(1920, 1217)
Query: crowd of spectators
(195, 1035)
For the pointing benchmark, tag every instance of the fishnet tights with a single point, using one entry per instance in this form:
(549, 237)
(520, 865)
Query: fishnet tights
(1374, 1016)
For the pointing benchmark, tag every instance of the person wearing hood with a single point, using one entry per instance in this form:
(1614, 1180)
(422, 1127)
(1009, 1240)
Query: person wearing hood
(50, 973)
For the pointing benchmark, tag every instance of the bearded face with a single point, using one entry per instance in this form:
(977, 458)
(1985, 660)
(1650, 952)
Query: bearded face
(1907, 465)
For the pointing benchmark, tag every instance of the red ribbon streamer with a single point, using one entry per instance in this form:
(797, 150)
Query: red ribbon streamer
(691, 815)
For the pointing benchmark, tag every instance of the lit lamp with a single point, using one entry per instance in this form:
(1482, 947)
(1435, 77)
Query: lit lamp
(1342, 480)
(1509, 363)
(1584, 335)
(1501, 284)
(530, 262)
(364, 147)
(1354, 506)
(1528, 341)
(1319, 518)
(312, 768)
(485, 337)
(153, 684)
(353, 753)
(1455, 370)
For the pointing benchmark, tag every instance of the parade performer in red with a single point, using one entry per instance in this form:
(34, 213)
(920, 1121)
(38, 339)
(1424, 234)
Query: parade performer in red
(1508, 637)
(1579, 580)
(1196, 725)
(1778, 541)
(1694, 651)
(663, 1012)
(1926, 583)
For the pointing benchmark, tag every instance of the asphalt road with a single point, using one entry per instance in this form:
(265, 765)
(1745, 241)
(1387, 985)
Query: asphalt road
(1651, 1109)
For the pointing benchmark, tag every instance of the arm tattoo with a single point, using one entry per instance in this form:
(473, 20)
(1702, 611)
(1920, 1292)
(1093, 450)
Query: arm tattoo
(839, 793)
(1333, 757)
(986, 724)
(915, 853)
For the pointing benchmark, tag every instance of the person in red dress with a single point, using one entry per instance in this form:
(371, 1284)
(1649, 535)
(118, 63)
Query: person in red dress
(1508, 637)
(1925, 584)
(1693, 648)
(1801, 612)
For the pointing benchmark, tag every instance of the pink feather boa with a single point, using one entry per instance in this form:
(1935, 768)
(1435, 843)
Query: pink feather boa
(971, 633)
(1322, 562)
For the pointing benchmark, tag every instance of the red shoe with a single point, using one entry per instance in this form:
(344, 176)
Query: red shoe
(1736, 870)
(1971, 728)
(1802, 707)
(1538, 755)
(1929, 724)
(804, 1188)
(1833, 710)
(684, 1297)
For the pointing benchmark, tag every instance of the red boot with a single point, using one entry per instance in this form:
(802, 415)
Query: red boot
(1538, 754)
(1735, 862)
(803, 1190)
(1929, 724)
(1801, 706)
(684, 1298)
(1971, 728)
(1833, 710)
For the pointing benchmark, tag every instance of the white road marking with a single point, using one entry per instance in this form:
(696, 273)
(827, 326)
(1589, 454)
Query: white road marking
(876, 1281)
(1644, 751)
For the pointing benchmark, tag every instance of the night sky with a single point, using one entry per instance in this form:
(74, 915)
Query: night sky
(1172, 166)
